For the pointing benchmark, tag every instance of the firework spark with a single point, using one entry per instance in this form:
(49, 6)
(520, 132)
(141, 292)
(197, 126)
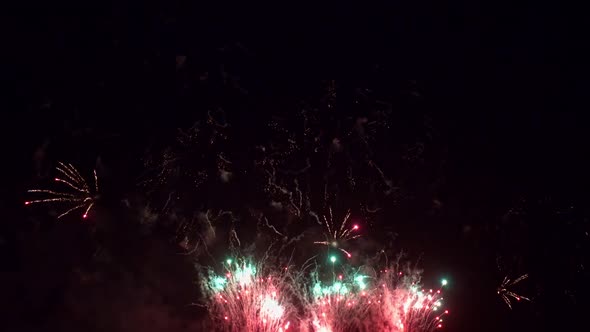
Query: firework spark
(507, 294)
(254, 297)
(335, 235)
(392, 301)
(249, 298)
(79, 194)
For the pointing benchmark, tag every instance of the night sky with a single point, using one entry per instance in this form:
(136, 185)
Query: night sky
(479, 128)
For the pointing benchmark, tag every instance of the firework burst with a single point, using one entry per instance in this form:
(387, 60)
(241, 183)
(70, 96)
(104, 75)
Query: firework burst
(249, 298)
(254, 297)
(79, 194)
(335, 235)
(506, 294)
(358, 302)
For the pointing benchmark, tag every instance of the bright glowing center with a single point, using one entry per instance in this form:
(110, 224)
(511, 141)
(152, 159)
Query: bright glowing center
(245, 275)
(271, 308)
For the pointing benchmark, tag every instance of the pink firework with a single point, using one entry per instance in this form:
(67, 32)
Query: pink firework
(252, 297)
(506, 294)
(247, 299)
(78, 194)
(392, 302)
(336, 234)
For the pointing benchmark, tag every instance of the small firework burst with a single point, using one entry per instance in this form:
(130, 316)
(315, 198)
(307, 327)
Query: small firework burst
(335, 235)
(78, 195)
(507, 294)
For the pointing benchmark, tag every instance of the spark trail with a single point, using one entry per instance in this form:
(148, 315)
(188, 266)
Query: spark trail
(256, 297)
(506, 294)
(336, 234)
(77, 194)
(391, 302)
(248, 297)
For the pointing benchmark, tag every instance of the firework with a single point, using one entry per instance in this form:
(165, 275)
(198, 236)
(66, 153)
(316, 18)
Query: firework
(78, 194)
(254, 297)
(335, 234)
(392, 301)
(507, 294)
(249, 298)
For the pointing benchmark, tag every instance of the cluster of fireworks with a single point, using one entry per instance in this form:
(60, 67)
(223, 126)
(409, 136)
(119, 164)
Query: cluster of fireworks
(388, 301)
(252, 297)
(246, 295)
(77, 195)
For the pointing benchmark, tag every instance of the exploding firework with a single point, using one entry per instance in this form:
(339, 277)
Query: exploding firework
(79, 194)
(335, 235)
(252, 297)
(507, 294)
(249, 298)
(392, 301)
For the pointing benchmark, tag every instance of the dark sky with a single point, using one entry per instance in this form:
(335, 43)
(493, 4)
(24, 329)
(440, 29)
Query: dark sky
(494, 91)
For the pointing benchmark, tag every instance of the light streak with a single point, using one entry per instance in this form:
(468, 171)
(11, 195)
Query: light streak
(255, 297)
(80, 195)
(507, 294)
(336, 234)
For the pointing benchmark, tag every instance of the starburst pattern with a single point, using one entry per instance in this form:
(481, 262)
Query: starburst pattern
(79, 194)
(507, 294)
(336, 234)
